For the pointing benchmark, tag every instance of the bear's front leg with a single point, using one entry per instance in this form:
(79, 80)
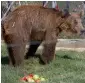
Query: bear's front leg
(49, 45)
(48, 52)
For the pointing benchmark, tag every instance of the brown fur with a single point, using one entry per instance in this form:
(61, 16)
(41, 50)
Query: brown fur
(35, 23)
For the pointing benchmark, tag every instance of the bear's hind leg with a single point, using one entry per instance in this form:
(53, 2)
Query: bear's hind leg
(16, 49)
(16, 54)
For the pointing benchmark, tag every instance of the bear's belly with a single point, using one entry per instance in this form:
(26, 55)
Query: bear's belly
(38, 35)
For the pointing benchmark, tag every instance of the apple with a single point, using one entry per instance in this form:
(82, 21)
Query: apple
(30, 80)
(42, 79)
(37, 81)
(35, 77)
(24, 78)
(31, 75)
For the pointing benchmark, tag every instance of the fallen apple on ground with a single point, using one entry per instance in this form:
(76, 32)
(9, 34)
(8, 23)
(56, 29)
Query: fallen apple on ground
(42, 79)
(33, 78)
(30, 80)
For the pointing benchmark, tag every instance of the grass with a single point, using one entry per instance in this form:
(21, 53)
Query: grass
(68, 67)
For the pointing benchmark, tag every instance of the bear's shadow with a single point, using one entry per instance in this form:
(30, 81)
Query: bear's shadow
(65, 57)
(4, 60)
(37, 56)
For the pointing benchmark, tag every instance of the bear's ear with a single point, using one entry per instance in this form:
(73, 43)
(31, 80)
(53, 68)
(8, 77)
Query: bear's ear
(65, 13)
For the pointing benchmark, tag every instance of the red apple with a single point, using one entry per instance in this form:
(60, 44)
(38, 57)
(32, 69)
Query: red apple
(31, 75)
(37, 81)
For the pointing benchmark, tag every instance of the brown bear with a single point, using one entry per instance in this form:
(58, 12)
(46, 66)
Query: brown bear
(34, 25)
